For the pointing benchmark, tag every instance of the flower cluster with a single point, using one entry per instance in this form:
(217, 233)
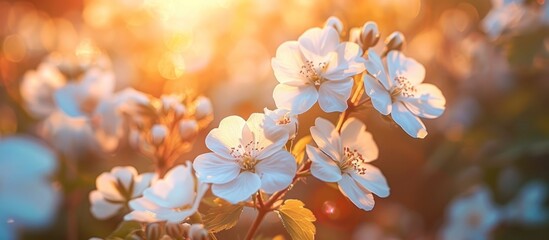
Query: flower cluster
(254, 162)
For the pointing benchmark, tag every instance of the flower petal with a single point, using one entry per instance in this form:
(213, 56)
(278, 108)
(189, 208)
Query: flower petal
(427, 103)
(381, 100)
(142, 182)
(220, 140)
(101, 208)
(296, 99)
(212, 168)
(322, 167)
(175, 190)
(317, 42)
(276, 171)
(400, 65)
(355, 136)
(346, 63)
(266, 135)
(327, 138)
(239, 189)
(333, 95)
(372, 180)
(287, 64)
(361, 197)
(375, 67)
(407, 121)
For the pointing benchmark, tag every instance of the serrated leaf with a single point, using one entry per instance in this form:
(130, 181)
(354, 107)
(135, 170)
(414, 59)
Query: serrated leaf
(297, 219)
(222, 217)
(299, 148)
(123, 229)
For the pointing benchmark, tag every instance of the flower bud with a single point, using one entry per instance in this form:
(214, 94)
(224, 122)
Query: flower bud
(197, 232)
(188, 128)
(369, 35)
(335, 23)
(179, 110)
(203, 107)
(159, 133)
(395, 41)
(177, 231)
(154, 231)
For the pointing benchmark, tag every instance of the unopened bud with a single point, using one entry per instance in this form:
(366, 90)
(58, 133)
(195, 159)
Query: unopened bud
(177, 231)
(335, 23)
(203, 107)
(188, 128)
(179, 110)
(395, 41)
(197, 232)
(369, 35)
(154, 231)
(159, 133)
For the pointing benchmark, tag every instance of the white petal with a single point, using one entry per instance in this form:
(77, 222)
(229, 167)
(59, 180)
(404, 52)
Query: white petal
(265, 132)
(428, 101)
(101, 208)
(142, 182)
(297, 99)
(400, 65)
(372, 180)
(239, 189)
(220, 140)
(277, 171)
(175, 190)
(361, 197)
(212, 168)
(407, 121)
(327, 138)
(287, 64)
(106, 184)
(317, 42)
(323, 167)
(144, 210)
(347, 63)
(381, 100)
(124, 175)
(355, 136)
(333, 95)
(375, 67)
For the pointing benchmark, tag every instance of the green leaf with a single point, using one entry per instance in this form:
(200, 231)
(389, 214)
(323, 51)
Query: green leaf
(299, 149)
(123, 229)
(297, 220)
(222, 217)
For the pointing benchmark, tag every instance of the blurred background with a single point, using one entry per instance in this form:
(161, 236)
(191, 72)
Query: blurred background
(493, 136)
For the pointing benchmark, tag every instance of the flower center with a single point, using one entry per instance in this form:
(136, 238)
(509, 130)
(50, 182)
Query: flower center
(245, 155)
(284, 120)
(352, 159)
(312, 71)
(247, 163)
(403, 87)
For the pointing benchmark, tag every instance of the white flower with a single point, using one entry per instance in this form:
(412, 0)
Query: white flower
(507, 16)
(81, 98)
(285, 119)
(38, 88)
(401, 92)
(316, 67)
(173, 198)
(247, 156)
(344, 158)
(68, 135)
(528, 207)
(27, 198)
(108, 117)
(115, 189)
(471, 217)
